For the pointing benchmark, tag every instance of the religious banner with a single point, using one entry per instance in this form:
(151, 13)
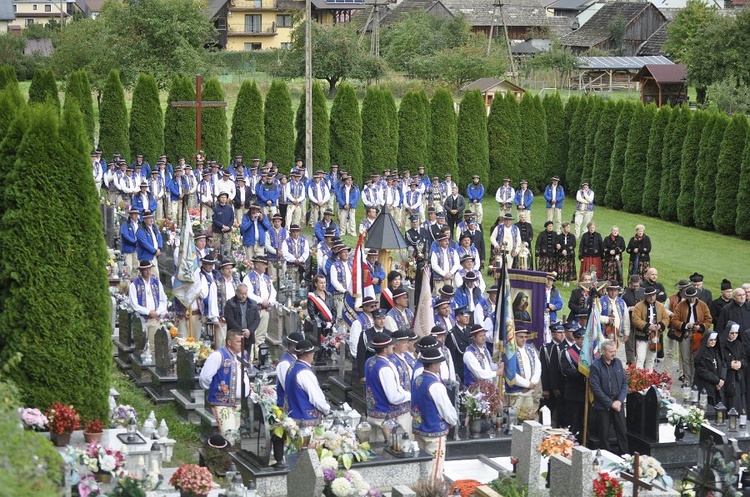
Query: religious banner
(424, 318)
(527, 296)
(186, 285)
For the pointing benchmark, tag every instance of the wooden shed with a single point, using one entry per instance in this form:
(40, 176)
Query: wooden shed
(663, 84)
(491, 86)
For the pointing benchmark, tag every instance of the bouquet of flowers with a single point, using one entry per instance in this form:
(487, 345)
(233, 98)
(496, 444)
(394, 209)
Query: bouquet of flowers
(120, 416)
(339, 444)
(606, 485)
(262, 392)
(202, 354)
(332, 343)
(190, 343)
(745, 461)
(476, 405)
(62, 418)
(99, 459)
(192, 478)
(642, 379)
(167, 323)
(236, 237)
(557, 442)
(33, 419)
(650, 470)
(489, 394)
(242, 265)
(691, 417)
(344, 483)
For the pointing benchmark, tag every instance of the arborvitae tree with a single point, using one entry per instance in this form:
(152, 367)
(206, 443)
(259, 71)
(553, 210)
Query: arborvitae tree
(179, 122)
(321, 129)
(742, 227)
(652, 184)
(392, 112)
(636, 155)
(376, 137)
(7, 76)
(444, 134)
(86, 104)
(248, 139)
(577, 143)
(8, 112)
(688, 165)
(603, 143)
(504, 137)
(472, 145)
(412, 133)
(613, 197)
(43, 88)
(533, 141)
(346, 132)
(557, 138)
(427, 116)
(113, 118)
(592, 124)
(73, 131)
(731, 156)
(73, 314)
(705, 174)
(214, 129)
(674, 137)
(570, 109)
(9, 147)
(279, 126)
(146, 120)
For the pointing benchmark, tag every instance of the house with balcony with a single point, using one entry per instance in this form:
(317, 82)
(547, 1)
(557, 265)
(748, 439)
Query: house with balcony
(30, 12)
(267, 24)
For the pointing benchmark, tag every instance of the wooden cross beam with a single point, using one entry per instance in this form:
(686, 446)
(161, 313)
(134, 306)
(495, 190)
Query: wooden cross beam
(198, 105)
(635, 477)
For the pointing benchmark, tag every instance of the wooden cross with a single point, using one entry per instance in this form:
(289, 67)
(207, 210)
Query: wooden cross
(198, 104)
(635, 477)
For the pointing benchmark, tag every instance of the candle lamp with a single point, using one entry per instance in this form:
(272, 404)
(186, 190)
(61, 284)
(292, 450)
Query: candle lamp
(721, 412)
(733, 419)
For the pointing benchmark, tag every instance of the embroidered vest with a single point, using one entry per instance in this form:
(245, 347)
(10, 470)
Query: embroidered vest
(140, 289)
(375, 398)
(298, 401)
(425, 417)
(223, 388)
(280, 396)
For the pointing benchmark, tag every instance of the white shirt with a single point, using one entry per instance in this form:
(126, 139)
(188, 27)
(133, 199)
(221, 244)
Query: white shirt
(264, 293)
(505, 196)
(212, 313)
(484, 370)
(450, 263)
(335, 280)
(439, 396)
(391, 384)
(307, 381)
(354, 332)
(149, 305)
(228, 288)
(225, 186)
(282, 369)
(318, 193)
(526, 361)
(287, 254)
(212, 365)
(586, 197)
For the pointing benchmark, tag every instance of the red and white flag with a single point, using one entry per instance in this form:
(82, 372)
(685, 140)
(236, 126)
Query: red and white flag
(361, 284)
(424, 319)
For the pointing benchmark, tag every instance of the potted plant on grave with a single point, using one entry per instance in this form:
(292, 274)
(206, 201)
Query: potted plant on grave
(120, 416)
(745, 470)
(93, 431)
(344, 483)
(63, 420)
(476, 406)
(682, 418)
(606, 485)
(102, 461)
(192, 480)
(33, 419)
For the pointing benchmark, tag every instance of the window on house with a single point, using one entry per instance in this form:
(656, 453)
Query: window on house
(29, 22)
(253, 23)
(48, 8)
(15, 8)
(251, 47)
(34, 7)
(284, 20)
(258, 4)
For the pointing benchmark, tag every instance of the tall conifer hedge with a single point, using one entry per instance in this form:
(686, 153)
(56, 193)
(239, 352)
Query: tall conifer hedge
(412, 132)
(376, 138)
(731, 156)
(346, 132)
(570, 110)
(9, 147)
(577, 143)
(56, 312)
(556, 135)
(113, 118)
(688, 166)
(214, 127)
(674, 137)
(392, 113)
(78, 89)
(636, 155)
(279, 126)
(179, 122)
(321, 129)
(603, 143)
(705, 175)
(472, 148)
(427, 116)
(43, 88)
(613, 198)
(652, 184)
(504, 137)
(444, 134)
(742, 227)
(146, 120)
(533, 141)
(7, 76)
(248, 139)
(592, 124)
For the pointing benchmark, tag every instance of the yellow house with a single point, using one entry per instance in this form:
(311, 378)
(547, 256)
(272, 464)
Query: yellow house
(30, 12)
(267, 24)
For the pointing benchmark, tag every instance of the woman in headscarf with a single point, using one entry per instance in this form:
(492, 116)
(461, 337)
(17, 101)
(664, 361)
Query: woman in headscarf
(545, 248)
(710, 370)
(566, 255)
(590, 252)
(614, 246)
(733, 353)
(386, 296)
(639, 248)
(521, 307)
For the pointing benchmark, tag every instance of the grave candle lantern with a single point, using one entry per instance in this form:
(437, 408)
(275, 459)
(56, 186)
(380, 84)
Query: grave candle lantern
(721, 412)
(732, 419)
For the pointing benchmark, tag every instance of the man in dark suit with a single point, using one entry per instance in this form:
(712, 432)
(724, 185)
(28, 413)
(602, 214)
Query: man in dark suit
(242, 314)
(454, 207)
(550, 358)
(458, 339)
(575, 384)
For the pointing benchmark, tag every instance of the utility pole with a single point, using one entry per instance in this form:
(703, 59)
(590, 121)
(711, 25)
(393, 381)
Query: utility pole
(308, 87)
(500, 4)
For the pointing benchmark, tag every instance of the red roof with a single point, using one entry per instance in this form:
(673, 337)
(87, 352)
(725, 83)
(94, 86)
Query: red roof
(671, 73)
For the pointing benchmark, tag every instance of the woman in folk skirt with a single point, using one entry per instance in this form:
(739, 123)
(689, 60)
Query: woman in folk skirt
(614, 246)
(590, 252)
(566, 255)
(546, 252)
(639, 248)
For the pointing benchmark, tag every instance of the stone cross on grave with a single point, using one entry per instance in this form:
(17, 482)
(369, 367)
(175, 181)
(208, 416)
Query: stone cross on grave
(635, 477)
(198, 105)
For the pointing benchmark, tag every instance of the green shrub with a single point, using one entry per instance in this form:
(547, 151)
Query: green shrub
(44, 88)
(592, 124)
(392, 113)
(279, 126)
(214, 129)
(444, 134)
(604, 141)
(742, 227)
(248, 139)
(577, 143)
(504, 138)
(570, 110)
(652, 185)
(674, 137)
(557, 136)
(179, 122)
(412, 132)
(705, 175)
(690, 153)
(472, 148)
(346, 132)
(636, 155)
(376, 138)
(533, 141)
(146, 120)
(731, 155)
(113, 119)
(320, 130)
(613, 197)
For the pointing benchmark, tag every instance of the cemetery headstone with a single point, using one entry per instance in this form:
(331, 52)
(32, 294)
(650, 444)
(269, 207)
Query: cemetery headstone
(525, 440)
(125, 328)
(305, 479)
(651, 407)
(139, 337)
(574, 477)
(161, 351)
(635, 418)
(186, 382)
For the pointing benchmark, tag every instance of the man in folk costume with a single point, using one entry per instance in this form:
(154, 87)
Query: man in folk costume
(286, 361)
(458, 340)
(365, 350)
(650, 319)
(386, 399)
(325, 251)
(615, 318)
(148, 240)
(148, 300)
(554, 194)
(580, 300)
(242, 198)
(261, 291)
(466, 248)
(306, 400)
(319, 195)
(98, 172)
(523, 199)
(222, 377)
(275, 238)
(322, 226)
(528, 373)
(371, 213)
(470, 296)
(201, 250)
(393, 200)
(295, 195)
(444, 263)
(553, 304)
(505, 197)
(334, 181)
(489, 315)
(144, 200)
(575, 384)
(206, 197)
(157, 188)
(506, 239)
(431, 410)
(584, 207)
(474, 230)
(296, 251)
(474, 195)
(400, 316)
(348, 198)
(477, 360)
(223, 222)
(401, 358)
(691, 317)
(254, 229)
(127, 184)
(371, 195)
(226, 288)
(550, 359)
(267, 195)
(363, 322)
(377, 273)
(178, 190)
(128, 231)
(340, 274)
(444, 313)
(211, 300)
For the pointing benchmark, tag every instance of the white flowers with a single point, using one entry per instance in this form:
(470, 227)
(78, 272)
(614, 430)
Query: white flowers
(341, 487)
(329, 463)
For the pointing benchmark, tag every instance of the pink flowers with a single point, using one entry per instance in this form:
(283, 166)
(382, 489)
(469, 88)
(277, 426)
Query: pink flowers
(192, 478)
(33, 418)
(99, 459)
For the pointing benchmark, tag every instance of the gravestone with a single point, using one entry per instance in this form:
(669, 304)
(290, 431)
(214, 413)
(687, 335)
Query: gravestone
(305, 479)
(163, 373)
(526, 439)
(108, 224)
(574, 477)
(124, 343)
(161, 351)
(138, 366)
(258, 445)
(651, 407)
(139, 336)
(635, 413)
(186, 378)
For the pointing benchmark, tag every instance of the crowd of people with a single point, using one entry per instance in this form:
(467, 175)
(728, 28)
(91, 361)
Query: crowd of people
(409, 379)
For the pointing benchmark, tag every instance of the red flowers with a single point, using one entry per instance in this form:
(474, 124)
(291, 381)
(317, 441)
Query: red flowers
(62, 418)
(606, 485)
(642, 379)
